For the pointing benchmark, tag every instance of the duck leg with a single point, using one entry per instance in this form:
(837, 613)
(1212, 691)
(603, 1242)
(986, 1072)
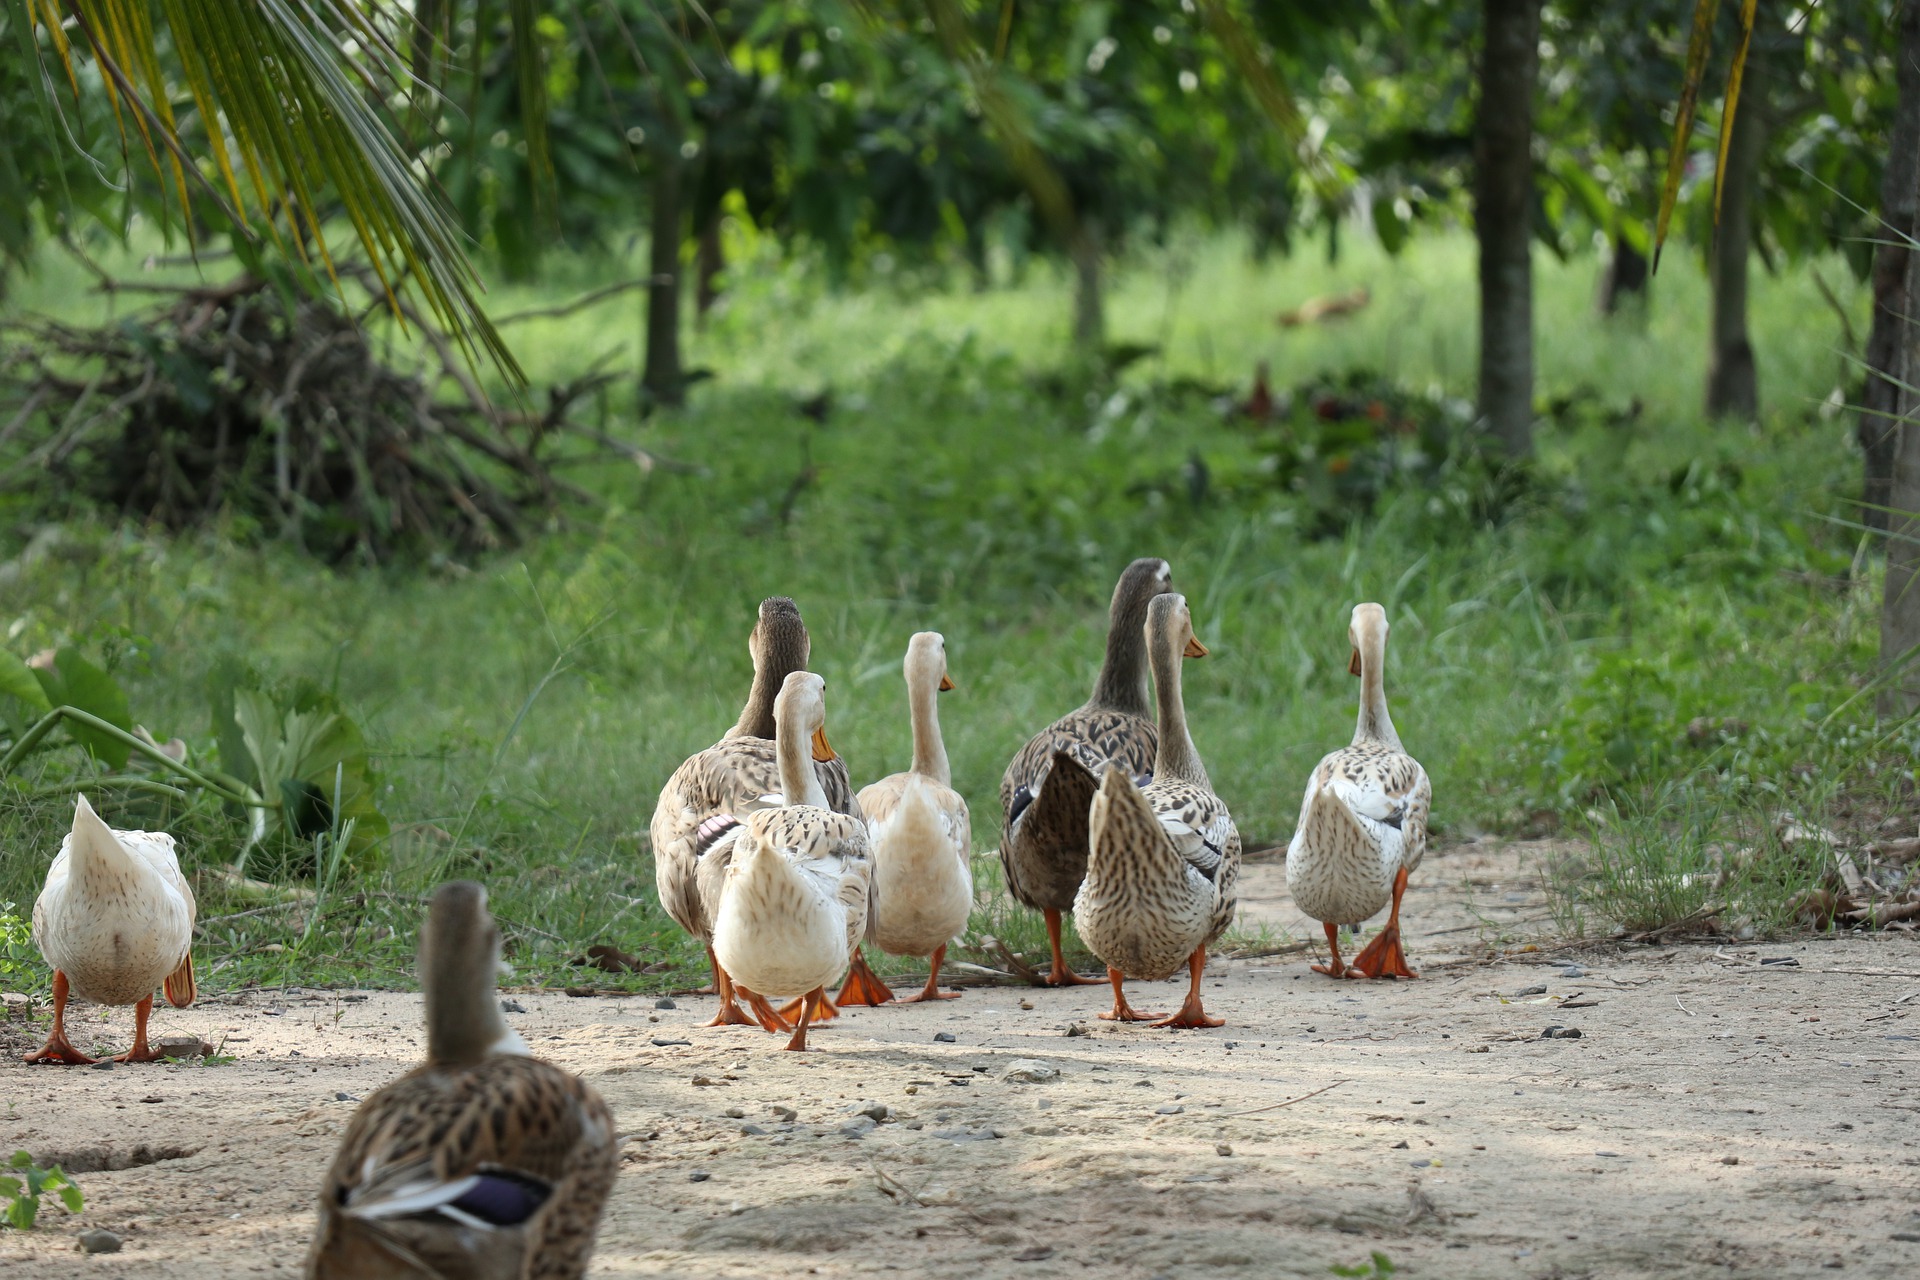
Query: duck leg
(1061, 976)
(1336, 969)
(863, 985)
(1122, 1011)
(932, 990)
(1383, 957)
(729, 1014)
(58, 1048)
(810, 1005)
(141, 1051)
(1190, 1013)
(825, 1011)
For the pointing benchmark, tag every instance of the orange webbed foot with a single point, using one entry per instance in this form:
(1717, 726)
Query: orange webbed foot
(863, 985)
(762, 1011)
(58, 1051)
(1190, 1015)
(1382, 958)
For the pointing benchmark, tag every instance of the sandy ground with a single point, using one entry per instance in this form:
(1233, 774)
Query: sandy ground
(1717, 1116)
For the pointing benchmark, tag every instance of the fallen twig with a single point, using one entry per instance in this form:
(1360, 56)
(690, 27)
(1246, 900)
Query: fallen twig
(1289, 1102)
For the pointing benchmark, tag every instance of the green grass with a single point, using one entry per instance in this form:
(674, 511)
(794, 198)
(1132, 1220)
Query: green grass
(970, 481)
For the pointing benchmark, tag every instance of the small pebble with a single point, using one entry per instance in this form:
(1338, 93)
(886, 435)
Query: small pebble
(1420, 1164)
(874, 1111)
(1034, 1253)
(661, 1042)
(1608, 1155)
(97, 1240)
(943, 1037)
(1573, 971)
(785, 1113)
(344, 1096)
(664, 1003)
(1532, 991)
(512, 1006)
(698, 1175)
(752, 1130)
(1075, 1029)
(105, 1064)
(1481, 1048)
(858, 1127)
(1222, 1149)
(1026, 1004)
(1729, 1159)
(1171, 1109)
(1400, 1145)
(734, 1113)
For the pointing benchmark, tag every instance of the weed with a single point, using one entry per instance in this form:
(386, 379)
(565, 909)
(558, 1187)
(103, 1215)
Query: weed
(1377, 1265)
(23, 1185)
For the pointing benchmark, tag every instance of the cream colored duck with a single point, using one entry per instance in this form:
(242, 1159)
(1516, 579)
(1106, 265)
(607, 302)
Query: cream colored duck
(482, 1163)
(922, 888)
(1049, 785)
(708, 798)
(794, 903)
(115, 920)
(1363, 822)
(1162, 860)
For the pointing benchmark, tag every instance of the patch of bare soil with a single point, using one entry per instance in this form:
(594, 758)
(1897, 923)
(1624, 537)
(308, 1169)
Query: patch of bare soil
(1718, 1115)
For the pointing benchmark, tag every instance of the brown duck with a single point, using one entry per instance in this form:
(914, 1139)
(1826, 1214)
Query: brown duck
(482, 1163)
(1048, 788)
(709, 798)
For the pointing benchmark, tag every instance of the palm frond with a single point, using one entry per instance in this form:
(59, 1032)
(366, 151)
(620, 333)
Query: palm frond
(279, 101)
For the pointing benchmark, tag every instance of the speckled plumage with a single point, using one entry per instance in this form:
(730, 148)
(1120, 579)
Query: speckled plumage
(1165, 859)
(406, 1196)
(1048, 787)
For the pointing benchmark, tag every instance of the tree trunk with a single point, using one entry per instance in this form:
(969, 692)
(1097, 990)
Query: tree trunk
(1900, 608)
(711, 260)
(1625, 280)
(1733, 378)
(1880, 398)
(1503, 219)
(662, 380)
(1089, 307)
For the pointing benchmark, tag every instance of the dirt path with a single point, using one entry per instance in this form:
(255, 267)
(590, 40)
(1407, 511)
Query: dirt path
(1716, 1116)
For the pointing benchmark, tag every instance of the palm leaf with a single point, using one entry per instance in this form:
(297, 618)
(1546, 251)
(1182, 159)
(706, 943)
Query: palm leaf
(1699, 47)
(275, 93)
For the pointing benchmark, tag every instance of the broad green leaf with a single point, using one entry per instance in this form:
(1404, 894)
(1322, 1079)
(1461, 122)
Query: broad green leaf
(74, 682)
(17, 681)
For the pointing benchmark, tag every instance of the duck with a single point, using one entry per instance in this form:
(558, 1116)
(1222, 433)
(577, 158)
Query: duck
(1363, 820)
(918, 827)
(793, 906)
(114, 921)
(707, 800)
(483, 1162)
(1163, 860)
(1049, 785)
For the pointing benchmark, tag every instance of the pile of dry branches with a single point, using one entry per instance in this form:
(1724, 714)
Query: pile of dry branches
(236, 400)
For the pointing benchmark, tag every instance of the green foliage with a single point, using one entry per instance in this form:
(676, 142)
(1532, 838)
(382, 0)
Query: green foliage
(20, 967)
(69, 680)
(24, 1184)
(297, 744)
(1376, 1266)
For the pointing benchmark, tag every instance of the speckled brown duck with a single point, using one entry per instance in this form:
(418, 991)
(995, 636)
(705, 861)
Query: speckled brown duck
(1164, 859)
(1049, 786)
(1363, 821)
(482, 1163)
(709, 798)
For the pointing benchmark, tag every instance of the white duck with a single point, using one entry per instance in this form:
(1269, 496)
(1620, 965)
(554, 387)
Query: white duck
(1363, 822)
(922, 889)
(482, 1162)
(794, 903)
(1162, 860)
(115, 920)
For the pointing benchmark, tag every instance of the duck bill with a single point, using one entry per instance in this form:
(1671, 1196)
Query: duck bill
(946, 683)
(821, 751)
(1194, 648)
(1353, 664)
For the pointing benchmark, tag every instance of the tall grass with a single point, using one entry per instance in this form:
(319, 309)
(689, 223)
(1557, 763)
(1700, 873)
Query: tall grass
(970, 480)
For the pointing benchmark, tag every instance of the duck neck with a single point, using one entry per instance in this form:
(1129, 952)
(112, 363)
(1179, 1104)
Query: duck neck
(463, 1008)
(799, 780)
(1121, 685)
(1375, 724)
(929, 748)
(1177, 758)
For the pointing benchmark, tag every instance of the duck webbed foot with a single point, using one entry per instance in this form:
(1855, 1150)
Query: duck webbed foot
(1122, 1011)
(1335, 968)
(1384, 957)
(1060, 975)
(932, 990)
(1190, 1014)
(863, 985)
